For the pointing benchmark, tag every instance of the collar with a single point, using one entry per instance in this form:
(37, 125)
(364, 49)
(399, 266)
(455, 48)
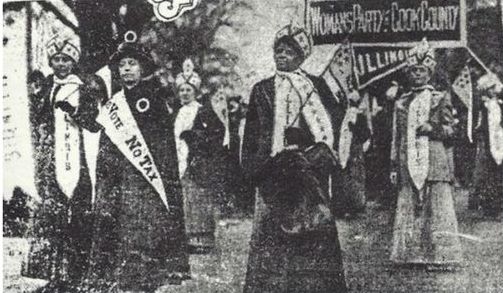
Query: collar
(193, 104)
(70, 79)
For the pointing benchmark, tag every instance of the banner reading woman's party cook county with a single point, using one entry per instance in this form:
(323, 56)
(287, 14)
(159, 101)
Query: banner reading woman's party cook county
(388, 22)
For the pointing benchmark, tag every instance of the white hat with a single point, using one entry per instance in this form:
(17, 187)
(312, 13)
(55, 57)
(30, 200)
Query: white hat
(63, 45)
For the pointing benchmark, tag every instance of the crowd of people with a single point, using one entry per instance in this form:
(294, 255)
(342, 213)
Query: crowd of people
(166, 172)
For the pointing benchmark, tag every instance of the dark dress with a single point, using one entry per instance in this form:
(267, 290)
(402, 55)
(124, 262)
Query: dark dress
(278, 263)
(61, 226)
(137, 243)
(350, 186)
(379, 187)
(488, 176)
(205, 177)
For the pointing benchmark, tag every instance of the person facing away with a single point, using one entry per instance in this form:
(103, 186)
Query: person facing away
(425, 229)
(289, 251)
(139, 241)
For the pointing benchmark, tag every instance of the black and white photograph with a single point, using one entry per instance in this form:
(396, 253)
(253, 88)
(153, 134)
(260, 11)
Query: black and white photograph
(252, 146)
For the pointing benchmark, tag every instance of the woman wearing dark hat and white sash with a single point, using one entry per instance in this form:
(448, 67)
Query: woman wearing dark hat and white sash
(62, 224)
(294, 245)
(139, 240)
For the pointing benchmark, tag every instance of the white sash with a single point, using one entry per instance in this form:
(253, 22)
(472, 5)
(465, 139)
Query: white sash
(184, 121)
(418, 151)
(346, 136)
(67, 137)
(219, 105)
(121, 127)
(294, 93)
(495, 130)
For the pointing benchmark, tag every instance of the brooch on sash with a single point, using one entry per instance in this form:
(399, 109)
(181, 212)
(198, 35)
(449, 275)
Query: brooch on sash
(142, 105)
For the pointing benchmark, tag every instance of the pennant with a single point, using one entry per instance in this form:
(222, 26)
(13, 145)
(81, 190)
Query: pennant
(463, 87)
(339, 74)
(120, 126)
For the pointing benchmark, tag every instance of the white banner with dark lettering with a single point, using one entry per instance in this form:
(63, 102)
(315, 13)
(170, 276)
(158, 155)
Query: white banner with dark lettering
(374, 63)
(121, 127)
(387, 22)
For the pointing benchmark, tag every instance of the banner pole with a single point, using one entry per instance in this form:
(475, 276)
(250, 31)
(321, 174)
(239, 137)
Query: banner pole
(478, 60)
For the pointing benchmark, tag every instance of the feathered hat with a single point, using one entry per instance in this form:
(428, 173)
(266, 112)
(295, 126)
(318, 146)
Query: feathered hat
(423, 55)
(297, 35)
(64, 45)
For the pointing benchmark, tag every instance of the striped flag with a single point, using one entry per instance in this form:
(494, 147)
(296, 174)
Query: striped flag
(339, 74)
(463, 87)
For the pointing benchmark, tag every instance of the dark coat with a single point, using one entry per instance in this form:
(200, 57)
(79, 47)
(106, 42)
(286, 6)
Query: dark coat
(137, 243)
(277, 262)
(488, 176)
(62, 226)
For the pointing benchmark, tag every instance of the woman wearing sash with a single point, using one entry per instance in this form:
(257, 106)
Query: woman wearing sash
(290, 253)
(425, 230)
(488, 176)
(139, 241)
(349, 188)
(61, 228)
(195, 131)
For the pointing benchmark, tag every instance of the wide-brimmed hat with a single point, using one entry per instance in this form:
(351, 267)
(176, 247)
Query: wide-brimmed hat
(131, 49)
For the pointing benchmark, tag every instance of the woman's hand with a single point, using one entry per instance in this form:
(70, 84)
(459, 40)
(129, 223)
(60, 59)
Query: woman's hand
(65, 106)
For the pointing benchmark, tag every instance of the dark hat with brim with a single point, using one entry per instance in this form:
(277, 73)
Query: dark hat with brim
(136, 51)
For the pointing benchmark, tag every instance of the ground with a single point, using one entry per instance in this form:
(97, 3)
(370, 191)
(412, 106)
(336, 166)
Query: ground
(365, 242)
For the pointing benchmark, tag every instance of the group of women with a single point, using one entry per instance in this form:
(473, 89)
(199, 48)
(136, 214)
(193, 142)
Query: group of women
(153, 202)
(158, 175)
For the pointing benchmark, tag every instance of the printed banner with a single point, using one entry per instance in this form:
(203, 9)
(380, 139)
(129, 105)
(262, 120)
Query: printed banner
(120, 126)
(374, 63)
(388, 22)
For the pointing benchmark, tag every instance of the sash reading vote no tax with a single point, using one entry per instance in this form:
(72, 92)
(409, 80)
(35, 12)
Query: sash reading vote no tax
(121, 127)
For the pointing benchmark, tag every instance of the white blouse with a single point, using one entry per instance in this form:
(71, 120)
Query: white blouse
(184, 121)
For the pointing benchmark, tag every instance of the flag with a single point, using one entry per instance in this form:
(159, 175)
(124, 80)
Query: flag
(463, 87)
(339, 74)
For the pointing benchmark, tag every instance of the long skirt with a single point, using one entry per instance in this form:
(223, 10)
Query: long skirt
(280, 263)
(348, 190)
(60, 242)
(425, 230)
(487, 190)
(199, 210)
(137, 244)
